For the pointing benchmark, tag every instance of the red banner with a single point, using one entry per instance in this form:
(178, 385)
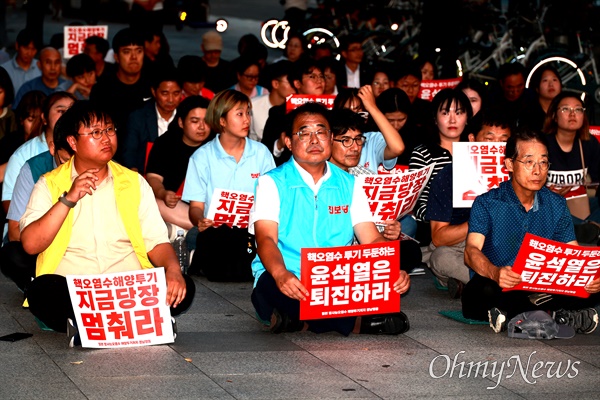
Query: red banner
(555, 267)
(595, 131)
(429, 89)
(350, 281)
(296, 100)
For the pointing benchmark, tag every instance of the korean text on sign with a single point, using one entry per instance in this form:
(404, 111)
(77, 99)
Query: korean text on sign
(350, 281)
(477, 167)
(554, 267)
(75, 37)
(121, 310)
(296, 100)
(230, 207)
(395, 195)
(429, 89)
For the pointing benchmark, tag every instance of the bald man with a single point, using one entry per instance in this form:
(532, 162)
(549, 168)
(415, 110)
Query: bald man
(50, 63)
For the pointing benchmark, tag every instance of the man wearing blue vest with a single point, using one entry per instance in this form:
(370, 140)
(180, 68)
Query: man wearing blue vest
(291, 212)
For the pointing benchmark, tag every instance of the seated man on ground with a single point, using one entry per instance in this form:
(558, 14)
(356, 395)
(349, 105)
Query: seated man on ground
(284, 207)
(449, 225)
(93, 216)
(170, 156)
(499, 221)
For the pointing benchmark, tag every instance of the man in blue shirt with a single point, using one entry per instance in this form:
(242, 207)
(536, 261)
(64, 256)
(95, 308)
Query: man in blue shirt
(23, 66)
(498, 223)
(284, 220)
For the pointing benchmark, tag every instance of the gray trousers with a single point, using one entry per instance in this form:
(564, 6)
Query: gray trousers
(449, 262)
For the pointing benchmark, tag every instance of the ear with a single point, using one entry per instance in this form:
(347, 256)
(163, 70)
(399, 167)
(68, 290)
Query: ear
(116, 57)
(288, 142)
(51, 148)
(274, 84)
(222, 122)
(153, 92)
(39, 64)
(471, 137)
(508, 163)
(180, 123)
(297, 85)
(72, 142)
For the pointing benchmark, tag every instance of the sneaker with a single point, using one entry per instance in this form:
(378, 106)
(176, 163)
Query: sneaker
(284, 323)
(455, 288)
(497, 319)
(174, 324)
(384, 324)
(73, 333)
(583, 321)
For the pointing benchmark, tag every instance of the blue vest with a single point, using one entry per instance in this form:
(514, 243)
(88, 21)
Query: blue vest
(306, 220)
(40, 164)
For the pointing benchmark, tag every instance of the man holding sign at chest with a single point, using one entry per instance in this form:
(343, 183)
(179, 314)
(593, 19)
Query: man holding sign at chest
(499, 221)
(291, 212)
(93, 216)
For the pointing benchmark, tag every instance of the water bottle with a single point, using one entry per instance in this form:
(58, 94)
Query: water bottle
(181, 251)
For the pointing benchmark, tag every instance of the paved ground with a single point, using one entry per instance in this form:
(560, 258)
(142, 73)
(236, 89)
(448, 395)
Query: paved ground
(233, 356)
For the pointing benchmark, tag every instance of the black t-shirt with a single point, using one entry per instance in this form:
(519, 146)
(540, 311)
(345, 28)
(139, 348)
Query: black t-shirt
(169, 158)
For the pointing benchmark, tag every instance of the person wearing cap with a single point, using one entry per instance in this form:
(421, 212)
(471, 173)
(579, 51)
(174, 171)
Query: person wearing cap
(498, 223)
(285, 206)
(219, 73)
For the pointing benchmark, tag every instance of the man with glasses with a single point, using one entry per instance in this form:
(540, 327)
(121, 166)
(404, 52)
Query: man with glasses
(291, 212)
(93, 216)
(352, 73)
(499, 221)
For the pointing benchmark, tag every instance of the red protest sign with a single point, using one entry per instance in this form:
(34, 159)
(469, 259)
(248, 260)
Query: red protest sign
(296, 100)
(555, 267)
(349, 281)
(75, 37)
(574, 179)
(429, 89)
(230, 207)
(477, 167)
(595, 131)
(122, 309)
(395, 195)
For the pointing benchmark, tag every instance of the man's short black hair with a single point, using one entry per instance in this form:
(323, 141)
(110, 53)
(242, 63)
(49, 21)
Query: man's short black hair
(409, 69)
(495, 116)
(509, 69)
(25, 37)
(307, 108)
(189, 103)
(80, 64)
(101, 44)
(7, 85)
(304, 66)
(127, 37)
(166, 75)
(348, 40)
(277, 71)
(81, 113)
(191, 69)
(522, 134)
(343, 120)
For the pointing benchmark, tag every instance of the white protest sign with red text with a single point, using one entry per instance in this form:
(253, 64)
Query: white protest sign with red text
(296, 100)
(554, 267)
(124, 309)
(395, 195)
(349, 281)
(230, 207)
(75, 37)
(429, 89)
(477, 167)
(575, 179)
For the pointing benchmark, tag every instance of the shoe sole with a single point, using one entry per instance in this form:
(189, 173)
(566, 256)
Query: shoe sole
(499, 324)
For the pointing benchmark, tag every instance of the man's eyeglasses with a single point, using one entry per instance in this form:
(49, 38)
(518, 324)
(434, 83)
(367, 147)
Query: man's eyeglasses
(569, 110)
(348, 141)
(97, 133)
(530, 164)
(321, 134)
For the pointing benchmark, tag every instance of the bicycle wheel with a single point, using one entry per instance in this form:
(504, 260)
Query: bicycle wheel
(570, 73)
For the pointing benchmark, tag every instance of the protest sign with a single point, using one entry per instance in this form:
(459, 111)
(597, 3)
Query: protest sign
(574, 179)
(553, 267)
(477, 167)
(296, 100)
(395, 195)
(123, 309)
(230, 207)
(429, 89)
(75, 37)
(349, 281)
(595, 131)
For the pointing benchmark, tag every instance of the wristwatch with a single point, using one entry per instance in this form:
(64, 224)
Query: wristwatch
(63, 199)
